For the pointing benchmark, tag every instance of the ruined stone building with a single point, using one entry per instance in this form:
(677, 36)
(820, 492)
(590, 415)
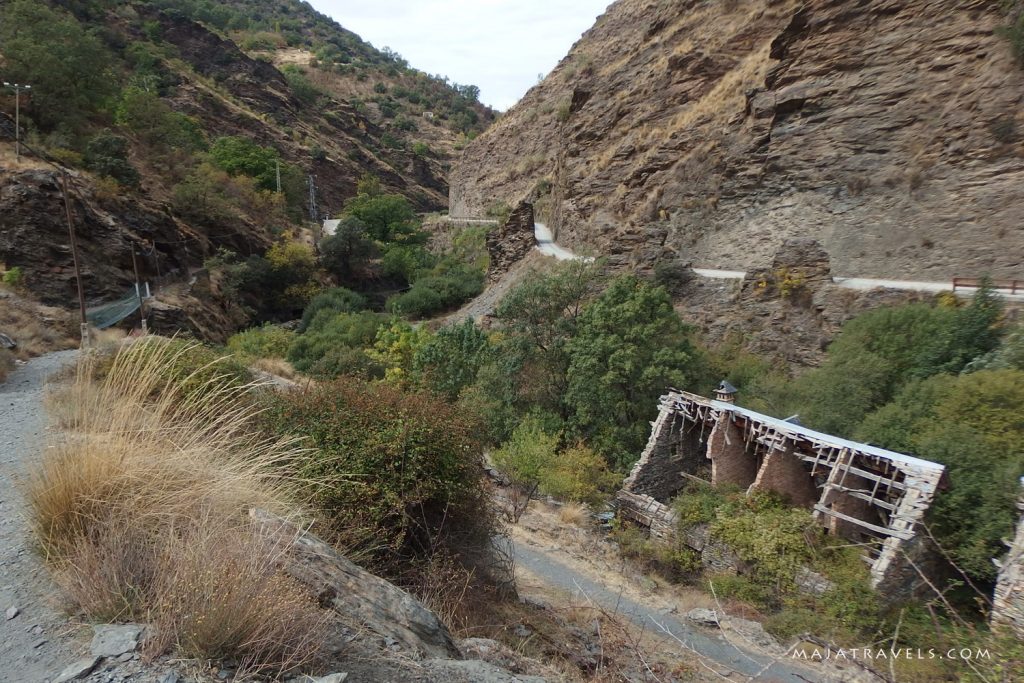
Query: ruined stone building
(857, 491)
(1008, 600)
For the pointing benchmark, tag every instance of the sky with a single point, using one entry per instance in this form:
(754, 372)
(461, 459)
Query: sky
(501, 46)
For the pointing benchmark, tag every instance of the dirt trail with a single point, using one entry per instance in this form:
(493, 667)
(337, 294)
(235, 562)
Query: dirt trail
(37, 643)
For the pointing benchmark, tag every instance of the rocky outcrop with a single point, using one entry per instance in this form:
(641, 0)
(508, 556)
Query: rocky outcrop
(511, 242)
(891, 132)
(354, 592)
(34, 237)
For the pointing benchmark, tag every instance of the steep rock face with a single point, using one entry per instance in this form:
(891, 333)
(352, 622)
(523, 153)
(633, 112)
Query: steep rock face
(34, 236)
(511, 242)
(892, 132)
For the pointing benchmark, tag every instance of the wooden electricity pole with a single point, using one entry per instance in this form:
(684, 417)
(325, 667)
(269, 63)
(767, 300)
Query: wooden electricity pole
(74, 257)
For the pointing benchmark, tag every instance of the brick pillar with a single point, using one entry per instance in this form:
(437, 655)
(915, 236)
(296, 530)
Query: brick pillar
(730, 461)
(783, 472)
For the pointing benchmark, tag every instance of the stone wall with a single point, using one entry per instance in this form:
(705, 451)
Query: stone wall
(1008, 600)
(673, 449)
(511, 242)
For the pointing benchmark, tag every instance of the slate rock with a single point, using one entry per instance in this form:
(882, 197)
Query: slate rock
(111, 640)
(78, 670)
(703, 617)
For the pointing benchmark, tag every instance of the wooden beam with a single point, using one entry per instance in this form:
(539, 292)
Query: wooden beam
(903, 534)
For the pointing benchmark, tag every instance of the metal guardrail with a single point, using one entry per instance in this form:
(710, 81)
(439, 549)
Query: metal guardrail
(1014, 286)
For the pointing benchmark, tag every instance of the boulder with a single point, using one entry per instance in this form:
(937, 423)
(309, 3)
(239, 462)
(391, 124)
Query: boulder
(354, 592)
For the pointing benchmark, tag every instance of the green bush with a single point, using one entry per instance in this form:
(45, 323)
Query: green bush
(399, 472)
(406, 261)
(107, 155)
(438, 293)
(580, 475)
(972, 424)
(335, 300)
(269, 341)
(13, 276)
(329, 330)
(528, 453)
(878, 352)
(149, 117)
(449, 361)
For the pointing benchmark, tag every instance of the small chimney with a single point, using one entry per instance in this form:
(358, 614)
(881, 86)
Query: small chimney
(725, 392)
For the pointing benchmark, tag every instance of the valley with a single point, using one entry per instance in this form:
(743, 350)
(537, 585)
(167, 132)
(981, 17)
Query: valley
(704, 357)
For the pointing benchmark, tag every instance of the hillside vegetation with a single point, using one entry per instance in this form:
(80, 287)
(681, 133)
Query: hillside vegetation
(193, 127)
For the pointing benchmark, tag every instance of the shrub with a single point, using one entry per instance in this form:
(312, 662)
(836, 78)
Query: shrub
(269, 341)
(578, 474)
(438, 293)
(406, 261)
(335, 300)
(13, 276)
(449, 361)
(107, 154)
(528, 453)
(404, 469)
(141, 511)
(329, 331)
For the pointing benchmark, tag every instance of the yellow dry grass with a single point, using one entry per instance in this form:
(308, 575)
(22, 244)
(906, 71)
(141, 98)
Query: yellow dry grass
(36, 328)
(574, 514)
(141, 506)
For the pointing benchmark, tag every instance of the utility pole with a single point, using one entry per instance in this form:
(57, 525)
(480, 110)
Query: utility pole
(74, 257)
(17, 87)
(138, 292)
(277, 172)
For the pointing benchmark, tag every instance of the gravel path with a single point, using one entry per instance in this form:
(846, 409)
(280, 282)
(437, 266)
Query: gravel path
(39, 641)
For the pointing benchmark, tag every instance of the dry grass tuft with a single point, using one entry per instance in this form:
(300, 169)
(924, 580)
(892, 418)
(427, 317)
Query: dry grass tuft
(574, 514)
(36, 328)
(275, 366)
(141, 511)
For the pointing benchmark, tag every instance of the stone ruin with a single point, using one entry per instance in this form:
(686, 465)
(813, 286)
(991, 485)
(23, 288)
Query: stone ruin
(859, 492)
(1008, 600)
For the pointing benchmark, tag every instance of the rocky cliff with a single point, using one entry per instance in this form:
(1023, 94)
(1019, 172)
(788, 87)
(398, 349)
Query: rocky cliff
(890, 131)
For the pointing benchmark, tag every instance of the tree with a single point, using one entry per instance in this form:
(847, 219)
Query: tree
(972, 424)
(528, 453)
(347, 249)
(333, 301)
(66, 65)
(449, 361)
(107, 154)
(388, 217)
(242, 156)
(878, 352)
(629, 347)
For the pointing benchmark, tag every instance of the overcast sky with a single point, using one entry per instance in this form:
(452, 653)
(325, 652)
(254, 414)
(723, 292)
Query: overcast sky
(499, 45)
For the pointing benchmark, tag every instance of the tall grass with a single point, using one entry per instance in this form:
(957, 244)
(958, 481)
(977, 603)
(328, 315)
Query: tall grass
(140, 508)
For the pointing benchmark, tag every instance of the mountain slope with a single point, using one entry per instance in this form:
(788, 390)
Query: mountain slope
(157, 112)
(891, 131)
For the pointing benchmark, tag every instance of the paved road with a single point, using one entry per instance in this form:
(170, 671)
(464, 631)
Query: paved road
(722, 655)
(37, 643)
(546, 245)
